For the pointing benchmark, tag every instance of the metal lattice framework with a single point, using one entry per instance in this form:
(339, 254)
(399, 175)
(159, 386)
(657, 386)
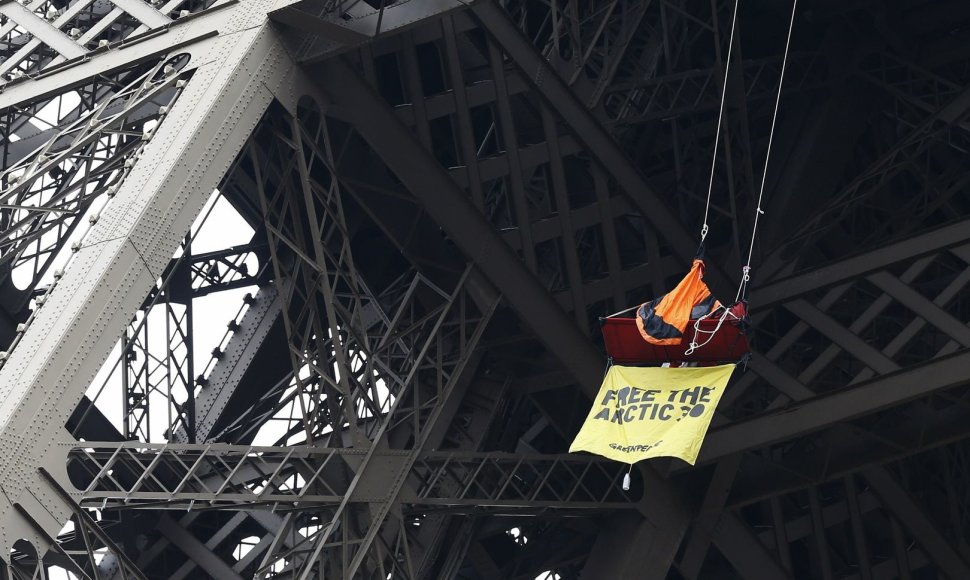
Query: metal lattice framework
(412, 215)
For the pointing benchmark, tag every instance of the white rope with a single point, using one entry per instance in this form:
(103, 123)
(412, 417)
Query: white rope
(746, 270)
(624, 311)
(694, 345)
(720, 116)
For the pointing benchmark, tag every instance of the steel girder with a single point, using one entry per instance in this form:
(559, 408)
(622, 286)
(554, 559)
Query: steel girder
(291, 479)
(547, 182)
(120, 257)
(844, 340)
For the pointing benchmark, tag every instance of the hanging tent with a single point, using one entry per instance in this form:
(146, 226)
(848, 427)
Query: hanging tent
(686, 325)
(644, 411)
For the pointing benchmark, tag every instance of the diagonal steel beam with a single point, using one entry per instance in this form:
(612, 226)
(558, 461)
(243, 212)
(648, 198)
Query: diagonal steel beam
(746, 553)
(949, 236)
(866, 398)
(195, 36)
(922, 306)
(196, 550)
(331, 30)
(111, 273)
(42, 29)
(145, 13)
(645, 199)
(934, 543)
(259, 322)
(450, 207)
(842, 336)
(478, 240)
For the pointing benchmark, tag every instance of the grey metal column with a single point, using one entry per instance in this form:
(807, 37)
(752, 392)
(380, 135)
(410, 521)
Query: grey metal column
(47, 373)
(442, 199)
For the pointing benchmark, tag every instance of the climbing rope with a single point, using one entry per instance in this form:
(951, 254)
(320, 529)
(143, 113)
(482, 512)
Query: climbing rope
(746, 269)
(720, 117)
(698, 331)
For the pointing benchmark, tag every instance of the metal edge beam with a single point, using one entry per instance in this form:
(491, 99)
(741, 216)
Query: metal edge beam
(42, 30)
(137, 234)
(178, 37)
(143, 12)
(765, 296)
(449, 206)
(477, 239)
(842, 405)
(899, 503)
(645, 199)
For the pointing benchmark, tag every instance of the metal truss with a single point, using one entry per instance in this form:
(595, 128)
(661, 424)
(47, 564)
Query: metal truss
(444, 197)
(319, 28)
(377, 364)
(843, 344)
(53, 185)
(41, 34)
(155, 374)
(698, 91)
(296, 479)
(106, 130)
(386, 350)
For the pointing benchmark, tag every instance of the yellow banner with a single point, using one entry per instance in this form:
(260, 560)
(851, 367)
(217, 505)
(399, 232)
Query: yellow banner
(643, 412)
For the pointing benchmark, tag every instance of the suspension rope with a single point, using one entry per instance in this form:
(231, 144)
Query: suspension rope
(698, 331)
(720, 117)
(624, 311)
(746, 270)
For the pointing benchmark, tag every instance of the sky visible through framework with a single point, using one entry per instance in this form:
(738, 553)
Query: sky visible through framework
(219, 226)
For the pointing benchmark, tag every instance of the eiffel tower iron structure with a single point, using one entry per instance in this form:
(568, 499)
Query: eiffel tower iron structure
(311, 288)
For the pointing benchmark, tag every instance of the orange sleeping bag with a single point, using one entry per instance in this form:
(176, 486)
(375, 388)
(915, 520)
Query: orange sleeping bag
(663, 320)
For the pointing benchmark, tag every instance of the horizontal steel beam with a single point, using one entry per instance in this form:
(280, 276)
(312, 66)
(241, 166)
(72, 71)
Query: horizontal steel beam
(176, 476)
(598, 141)
(846, 404)
(195, 36)
(327, 30)
(450, 207)
(949, 236)
(120, 259)
(898, 502)
(847, 451)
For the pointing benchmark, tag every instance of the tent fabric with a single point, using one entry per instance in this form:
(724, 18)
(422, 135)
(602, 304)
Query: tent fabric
(663, 321)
